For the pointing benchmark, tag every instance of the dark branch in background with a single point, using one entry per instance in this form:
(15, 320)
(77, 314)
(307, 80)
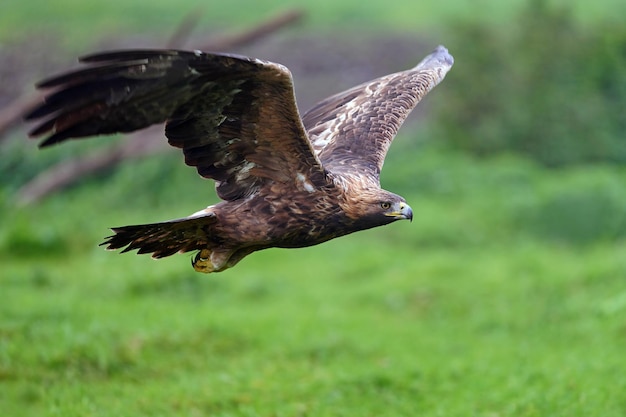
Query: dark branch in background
(64, 174)
(140, 144)
(260, 31)
(184, 29)
(11, 114)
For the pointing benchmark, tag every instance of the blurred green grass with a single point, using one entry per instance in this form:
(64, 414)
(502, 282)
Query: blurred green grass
(466, 311)
(506, 295)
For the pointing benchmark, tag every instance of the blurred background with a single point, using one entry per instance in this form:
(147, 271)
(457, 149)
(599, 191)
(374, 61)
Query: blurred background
(505, 296)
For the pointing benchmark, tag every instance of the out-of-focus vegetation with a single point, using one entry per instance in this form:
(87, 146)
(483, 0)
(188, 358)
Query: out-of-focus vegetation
(497, 300)
(505, 296)
(78, 24)
(547, 88)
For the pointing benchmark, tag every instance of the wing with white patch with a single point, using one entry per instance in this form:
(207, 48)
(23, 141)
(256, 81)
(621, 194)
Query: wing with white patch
(234, 117)
(352, 131)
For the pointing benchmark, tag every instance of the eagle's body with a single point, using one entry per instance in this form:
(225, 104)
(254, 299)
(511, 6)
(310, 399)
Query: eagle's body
(285, 180)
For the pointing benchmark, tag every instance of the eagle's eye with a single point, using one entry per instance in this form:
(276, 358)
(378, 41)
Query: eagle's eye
(385, 205)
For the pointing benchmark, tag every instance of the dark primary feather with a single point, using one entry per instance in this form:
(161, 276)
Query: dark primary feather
(235, 118)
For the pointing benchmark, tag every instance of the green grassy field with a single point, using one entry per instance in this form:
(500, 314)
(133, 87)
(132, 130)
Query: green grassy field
(506, 295)
(473, 309)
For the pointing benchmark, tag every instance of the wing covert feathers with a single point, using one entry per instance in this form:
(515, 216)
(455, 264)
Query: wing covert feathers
(352, 131)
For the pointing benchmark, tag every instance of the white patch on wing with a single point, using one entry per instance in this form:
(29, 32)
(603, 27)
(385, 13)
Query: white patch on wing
(244, 171)
(353, 182)
(204, 212)
(305, 182)
(323, 138)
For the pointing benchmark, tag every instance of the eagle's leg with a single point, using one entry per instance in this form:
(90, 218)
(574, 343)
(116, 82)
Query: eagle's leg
(212, 260)
(202, 261)
(208, 260)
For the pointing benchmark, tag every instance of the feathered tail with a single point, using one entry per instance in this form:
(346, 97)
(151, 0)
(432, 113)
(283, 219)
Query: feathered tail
(164, 239)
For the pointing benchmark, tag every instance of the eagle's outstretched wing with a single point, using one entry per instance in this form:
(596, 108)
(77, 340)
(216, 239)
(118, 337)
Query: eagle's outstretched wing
(352, 131)
(234, 117)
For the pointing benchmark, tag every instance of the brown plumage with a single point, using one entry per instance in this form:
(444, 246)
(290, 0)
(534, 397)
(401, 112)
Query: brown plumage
(285, 181)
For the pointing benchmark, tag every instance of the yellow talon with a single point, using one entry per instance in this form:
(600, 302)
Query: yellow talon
(202, 262)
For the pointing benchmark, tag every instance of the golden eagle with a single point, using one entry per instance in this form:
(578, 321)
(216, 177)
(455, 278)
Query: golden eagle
(285, 181)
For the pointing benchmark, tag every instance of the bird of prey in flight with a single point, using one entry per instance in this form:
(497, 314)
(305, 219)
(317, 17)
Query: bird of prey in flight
(285, 179)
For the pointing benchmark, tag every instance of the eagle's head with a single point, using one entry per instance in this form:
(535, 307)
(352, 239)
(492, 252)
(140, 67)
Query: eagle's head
(372, 208)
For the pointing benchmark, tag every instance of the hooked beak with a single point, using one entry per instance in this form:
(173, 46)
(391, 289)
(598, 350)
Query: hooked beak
(404, 212)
